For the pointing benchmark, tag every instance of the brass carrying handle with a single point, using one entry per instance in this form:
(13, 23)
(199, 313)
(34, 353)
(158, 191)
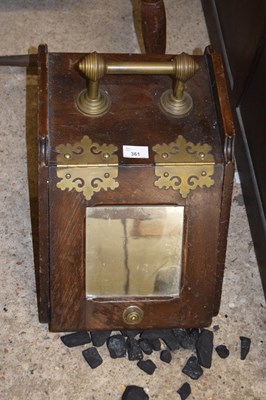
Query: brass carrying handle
(176, 102)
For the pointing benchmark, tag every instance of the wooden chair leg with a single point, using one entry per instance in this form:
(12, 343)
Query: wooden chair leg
(153, 21)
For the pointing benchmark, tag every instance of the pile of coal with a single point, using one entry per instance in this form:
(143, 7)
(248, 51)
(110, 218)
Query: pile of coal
(138, 345)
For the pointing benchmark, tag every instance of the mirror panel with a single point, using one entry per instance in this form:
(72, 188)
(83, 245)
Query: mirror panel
(133, 250)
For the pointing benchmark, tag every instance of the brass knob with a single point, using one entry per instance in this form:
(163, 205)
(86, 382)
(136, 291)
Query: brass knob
(132, 315)
(93, 66)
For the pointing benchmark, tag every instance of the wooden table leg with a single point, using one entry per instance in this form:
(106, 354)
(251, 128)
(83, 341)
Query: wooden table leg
(153, 22)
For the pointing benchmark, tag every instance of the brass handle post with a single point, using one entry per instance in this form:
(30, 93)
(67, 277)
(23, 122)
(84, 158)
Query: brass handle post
(176, 102)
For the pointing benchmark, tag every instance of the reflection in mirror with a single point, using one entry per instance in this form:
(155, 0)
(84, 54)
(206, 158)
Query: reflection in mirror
(133, 250)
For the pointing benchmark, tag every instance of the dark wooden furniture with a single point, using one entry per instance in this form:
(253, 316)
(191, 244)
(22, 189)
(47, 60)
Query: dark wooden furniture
(135, 118)
(188, 166)
(237, 31)
(153, 21)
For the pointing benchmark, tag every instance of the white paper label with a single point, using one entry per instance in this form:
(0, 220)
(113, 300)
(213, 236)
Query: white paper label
(135, 152)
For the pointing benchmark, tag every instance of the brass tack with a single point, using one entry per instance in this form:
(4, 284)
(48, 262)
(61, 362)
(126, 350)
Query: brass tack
(204, 173)
(68, 176)
(106, 155)
(67, 156)
(107, 175)
(166, 174)
(165, 155)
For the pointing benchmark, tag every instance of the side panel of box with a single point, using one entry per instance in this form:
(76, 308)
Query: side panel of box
(42, 267)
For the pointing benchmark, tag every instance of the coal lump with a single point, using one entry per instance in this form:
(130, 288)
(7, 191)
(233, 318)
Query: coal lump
(92, 357)
(245, 346)
(133, 349)
(117, 346)
(204, 348)
(147, 366)
(166, 356)
(184, 391)
(76, 339)
(222, 351)
(98, 338)
(145, 346)
(134, 393)
(192, 368)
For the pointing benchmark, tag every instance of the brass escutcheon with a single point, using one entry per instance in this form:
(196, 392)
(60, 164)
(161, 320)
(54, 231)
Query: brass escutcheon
(132, 315)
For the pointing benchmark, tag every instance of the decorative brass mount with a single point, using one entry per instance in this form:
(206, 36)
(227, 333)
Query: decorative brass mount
(176, 102)
(183, 166)
(87, 167)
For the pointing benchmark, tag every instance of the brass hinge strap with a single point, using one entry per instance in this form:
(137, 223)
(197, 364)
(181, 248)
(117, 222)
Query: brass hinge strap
(87, 167)
(183, 166)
